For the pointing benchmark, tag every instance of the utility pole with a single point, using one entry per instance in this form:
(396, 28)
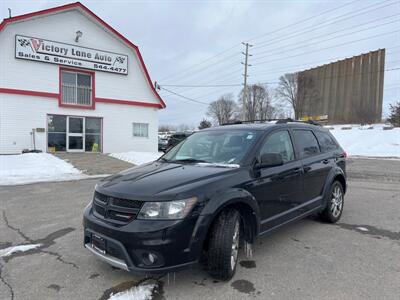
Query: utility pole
(245, 63)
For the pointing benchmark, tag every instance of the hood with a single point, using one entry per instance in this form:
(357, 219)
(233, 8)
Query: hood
(159, 179)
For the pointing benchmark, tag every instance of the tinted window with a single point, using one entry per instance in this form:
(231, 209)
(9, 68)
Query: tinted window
(279, 142)
(306, 143)
(219, 146)
(326, 142)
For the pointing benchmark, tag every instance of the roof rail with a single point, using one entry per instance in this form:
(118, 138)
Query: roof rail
(278, 121)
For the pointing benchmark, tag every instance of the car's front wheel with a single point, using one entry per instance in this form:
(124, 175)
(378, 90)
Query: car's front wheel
(223, 247)
(334, 207)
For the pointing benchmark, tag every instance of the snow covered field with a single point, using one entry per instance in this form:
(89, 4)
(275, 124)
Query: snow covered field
(368, 140)
(35, 167)
(137, 158)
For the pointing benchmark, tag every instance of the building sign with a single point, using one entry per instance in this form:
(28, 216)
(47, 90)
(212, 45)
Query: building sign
(37, 49)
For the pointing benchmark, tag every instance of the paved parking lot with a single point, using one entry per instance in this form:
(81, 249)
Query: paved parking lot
(359, 258)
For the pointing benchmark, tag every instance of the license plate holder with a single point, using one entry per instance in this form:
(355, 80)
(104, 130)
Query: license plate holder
(99, 243)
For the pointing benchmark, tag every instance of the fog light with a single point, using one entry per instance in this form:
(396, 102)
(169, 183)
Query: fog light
(152, 258)
(149, 258)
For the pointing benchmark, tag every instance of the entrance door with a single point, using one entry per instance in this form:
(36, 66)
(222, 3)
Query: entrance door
(75, 135)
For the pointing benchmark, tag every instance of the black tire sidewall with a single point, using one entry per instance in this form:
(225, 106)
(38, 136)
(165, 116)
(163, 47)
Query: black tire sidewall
(326, 213)
(220, 245)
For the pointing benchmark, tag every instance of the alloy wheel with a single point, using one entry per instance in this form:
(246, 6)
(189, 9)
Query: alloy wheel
(235, 246)
(336, 201)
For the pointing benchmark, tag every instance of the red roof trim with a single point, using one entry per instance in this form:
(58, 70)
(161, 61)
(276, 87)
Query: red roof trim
(97, 18)
(57, 97)
(28, 93)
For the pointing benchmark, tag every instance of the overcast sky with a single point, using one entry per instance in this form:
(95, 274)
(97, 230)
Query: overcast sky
(175, 35)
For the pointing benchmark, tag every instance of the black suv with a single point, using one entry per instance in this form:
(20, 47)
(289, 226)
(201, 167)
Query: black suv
(218, 187)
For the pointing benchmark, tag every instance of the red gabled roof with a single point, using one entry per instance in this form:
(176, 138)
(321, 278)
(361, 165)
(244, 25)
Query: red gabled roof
(98, 19)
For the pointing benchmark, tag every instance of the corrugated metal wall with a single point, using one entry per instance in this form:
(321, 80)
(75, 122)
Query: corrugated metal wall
(348, 91)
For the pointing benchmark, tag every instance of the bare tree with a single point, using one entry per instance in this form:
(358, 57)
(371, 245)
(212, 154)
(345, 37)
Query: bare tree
(223, 110)
(204, 124)
(287, 91)
(166, 128)
(300, 92)
(258, 105)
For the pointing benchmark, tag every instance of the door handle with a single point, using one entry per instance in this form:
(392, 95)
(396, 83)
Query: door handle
(296, 170)
(307, 169)
(325, 161)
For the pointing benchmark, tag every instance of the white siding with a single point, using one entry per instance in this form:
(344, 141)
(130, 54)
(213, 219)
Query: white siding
(19, 114)
(61, 27)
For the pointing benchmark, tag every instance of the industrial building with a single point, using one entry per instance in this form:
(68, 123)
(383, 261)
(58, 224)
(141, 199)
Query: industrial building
(346, 91)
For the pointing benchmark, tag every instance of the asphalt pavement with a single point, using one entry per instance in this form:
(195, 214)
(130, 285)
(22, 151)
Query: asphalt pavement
(358, 258)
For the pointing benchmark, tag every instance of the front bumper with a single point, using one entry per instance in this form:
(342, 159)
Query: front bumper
(176, 244)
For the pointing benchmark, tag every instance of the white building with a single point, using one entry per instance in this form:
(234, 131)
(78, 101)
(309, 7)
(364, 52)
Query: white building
(70, 82)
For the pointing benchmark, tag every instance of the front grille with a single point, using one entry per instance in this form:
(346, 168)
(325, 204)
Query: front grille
(116, 210)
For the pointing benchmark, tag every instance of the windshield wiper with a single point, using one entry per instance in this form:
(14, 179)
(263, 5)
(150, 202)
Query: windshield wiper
(187, 160)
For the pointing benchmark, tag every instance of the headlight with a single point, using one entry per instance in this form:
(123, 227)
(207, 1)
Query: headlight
(168, 210)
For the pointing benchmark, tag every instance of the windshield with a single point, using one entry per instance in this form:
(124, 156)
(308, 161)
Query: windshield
(216, 147)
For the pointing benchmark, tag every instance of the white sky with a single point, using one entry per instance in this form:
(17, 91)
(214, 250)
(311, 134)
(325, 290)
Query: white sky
(174, 35)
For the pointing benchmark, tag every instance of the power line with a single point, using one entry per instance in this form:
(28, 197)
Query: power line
(302, 21)
(201, 86)
(323, 24)
(206, 68)
(184, 97)
(334, 46)
(351, 74)
(185, 70)
(279, 50)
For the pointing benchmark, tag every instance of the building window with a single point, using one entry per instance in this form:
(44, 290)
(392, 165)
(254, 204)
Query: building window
(140, 130)
(73, 133)
(76, 88)
(93, 135)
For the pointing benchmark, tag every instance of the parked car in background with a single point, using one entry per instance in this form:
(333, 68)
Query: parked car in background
(176, 138)
(162, 144)
(219, 187)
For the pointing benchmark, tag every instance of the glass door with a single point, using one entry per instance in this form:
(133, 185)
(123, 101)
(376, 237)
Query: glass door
(75, 134)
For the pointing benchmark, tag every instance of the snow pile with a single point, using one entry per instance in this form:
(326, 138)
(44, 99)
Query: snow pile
(21, 248)
(137, 158)
(370, 140)
(35, 167)
(140, 292)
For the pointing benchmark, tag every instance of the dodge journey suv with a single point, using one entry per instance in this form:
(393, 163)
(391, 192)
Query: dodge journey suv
(219, 188)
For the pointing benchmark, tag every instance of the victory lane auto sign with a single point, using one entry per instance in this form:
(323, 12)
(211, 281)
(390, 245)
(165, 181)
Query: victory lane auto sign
(37, 49)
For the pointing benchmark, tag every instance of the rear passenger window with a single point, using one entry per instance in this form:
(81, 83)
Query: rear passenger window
(326, 142)
(306, 143)
(279, 142)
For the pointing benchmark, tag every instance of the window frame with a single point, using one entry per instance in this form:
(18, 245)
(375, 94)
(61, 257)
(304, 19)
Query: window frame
(262, 143)
(298, 150)
(92, 82)
(329, 135)
(72, 115)
(140, 124)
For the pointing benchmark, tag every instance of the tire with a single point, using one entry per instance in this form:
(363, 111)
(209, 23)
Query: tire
(223, 248)
(335, 202)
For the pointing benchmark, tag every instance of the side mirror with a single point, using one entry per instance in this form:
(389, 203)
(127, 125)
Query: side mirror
(270, 160)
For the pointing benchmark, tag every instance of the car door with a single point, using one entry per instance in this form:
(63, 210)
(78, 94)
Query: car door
(279, 189)
(316, 166)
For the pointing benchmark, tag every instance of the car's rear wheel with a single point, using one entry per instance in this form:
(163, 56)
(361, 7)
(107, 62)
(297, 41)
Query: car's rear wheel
(223, 246)
(334, 207)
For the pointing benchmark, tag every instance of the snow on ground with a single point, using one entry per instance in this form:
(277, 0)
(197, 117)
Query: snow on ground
(137, 158)
(140, 292)
(35, 167)
(359, 140)
(21, 248)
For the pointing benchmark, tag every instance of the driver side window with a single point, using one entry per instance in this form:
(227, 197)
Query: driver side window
(279, 142)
